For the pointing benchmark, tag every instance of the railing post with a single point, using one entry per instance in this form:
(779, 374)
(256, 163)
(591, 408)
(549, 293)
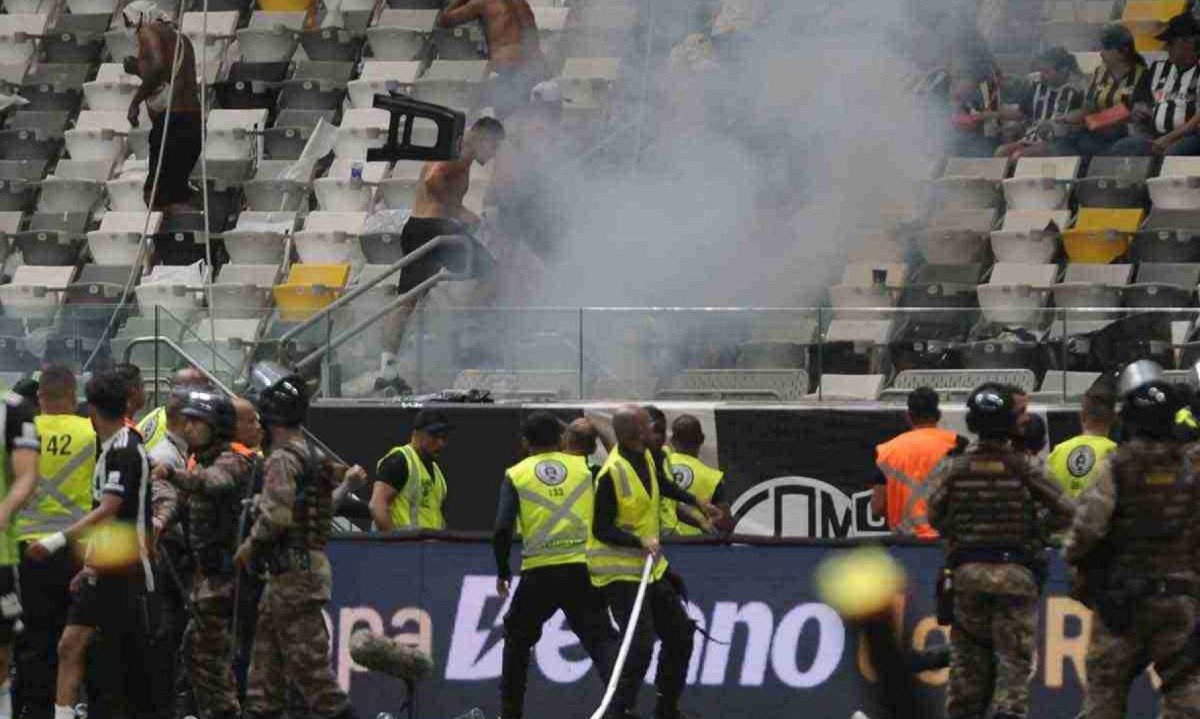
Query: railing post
(580, 345)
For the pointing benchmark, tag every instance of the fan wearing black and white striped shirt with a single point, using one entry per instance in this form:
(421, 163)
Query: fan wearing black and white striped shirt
(1059, 91)
(1164, 118)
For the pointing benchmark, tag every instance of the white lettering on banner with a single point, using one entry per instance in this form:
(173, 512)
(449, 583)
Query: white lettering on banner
(698, 640)
(805, 507)
(831, 642)
(423, 638)
(350, 619)
(759, 622)
(550, 656)
(467, 660)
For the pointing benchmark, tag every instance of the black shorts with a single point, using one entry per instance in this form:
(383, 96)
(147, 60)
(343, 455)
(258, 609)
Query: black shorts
(179, 157)
(10, 605)
(116, 603)
(418, 231)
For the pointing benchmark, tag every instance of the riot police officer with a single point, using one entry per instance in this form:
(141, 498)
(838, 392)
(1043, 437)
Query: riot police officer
(1134, 544)
(289, 537)
(214, 484)
(985, 504)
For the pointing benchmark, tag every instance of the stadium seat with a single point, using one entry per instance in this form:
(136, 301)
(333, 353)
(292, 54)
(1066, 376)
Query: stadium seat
(331, 238)
(269, 191)
(259, 238)
(47, 123)
(1168, 236)
(1114, 182)
(312, 94)
(18, 36)
(1017, 293)
(1163, 284)
(270, 37)
(180, 239)
(956, 237)
(230, 340)
(848, 387)
(178, 289)
(16, 195)
(942, 287)
(251, 86)
(1146, 18)
(855, 346)
(381, 78)
(243, 291)
(1100, 235)
(99, 135)
(969, 183)
(332, 44)
(1177, 186)
(63, 194)
(287, 138)
(453, 83)
(89, 7)
(35, 292)
(775, 385)
(853, 301)
(587, 84)
(1064, 386)
(1087, 286)
(956, 383)
(399, 188)
(360, 130)
(1029, 235)
(75, 39)
(357, 14)
(403, 34)
(52, 239)
(120, 235)
(337, 191)
(930, 340)
(1041, 183)
(29, 145)
(308, 289)
(126, 190)
(96, 286)
(211, 37)
(234, 135)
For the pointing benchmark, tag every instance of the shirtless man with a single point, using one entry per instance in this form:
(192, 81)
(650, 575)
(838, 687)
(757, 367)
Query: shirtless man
(156, 39)
(438, 210)
(515, 57)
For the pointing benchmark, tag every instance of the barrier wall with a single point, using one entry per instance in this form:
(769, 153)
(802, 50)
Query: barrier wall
(790, 471)
(788, 654)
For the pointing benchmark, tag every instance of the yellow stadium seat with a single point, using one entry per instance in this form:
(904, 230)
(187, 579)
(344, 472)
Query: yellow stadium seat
(308, 289)
(1145, 19)
(285, 5)
(1101, 235)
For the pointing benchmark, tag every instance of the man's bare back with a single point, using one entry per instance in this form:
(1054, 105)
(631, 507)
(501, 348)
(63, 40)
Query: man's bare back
(441, 190)
(509, 25)
(156, 51)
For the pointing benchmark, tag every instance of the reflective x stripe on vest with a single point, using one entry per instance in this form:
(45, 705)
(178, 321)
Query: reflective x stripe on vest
(414, 507)
(153, 428)
(906, 461)
(536, 545)
(43, 518)
(919, 492)
(638, 514)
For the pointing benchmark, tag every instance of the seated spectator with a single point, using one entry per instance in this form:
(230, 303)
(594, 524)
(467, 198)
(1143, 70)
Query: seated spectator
(1112, 85)
(975, 104)
(1164, 102)
(1058, 92)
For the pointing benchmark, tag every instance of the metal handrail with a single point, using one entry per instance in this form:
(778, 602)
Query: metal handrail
(138, 341)
(363, 287)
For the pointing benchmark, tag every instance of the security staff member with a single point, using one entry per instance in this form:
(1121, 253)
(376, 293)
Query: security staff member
(291, 644)
(61, 495)
(692, 475)
(549, 496)
(625, 529)
(153, 426)
(411, 488)
(985, 503)
(215, 486)
(1075, 462)
(904, 464)
(119, 604)
(1136, 540)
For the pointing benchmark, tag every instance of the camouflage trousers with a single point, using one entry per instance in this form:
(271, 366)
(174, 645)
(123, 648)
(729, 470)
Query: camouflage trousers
(291, 645)
(209, 649)
(1161, 629)
(992, 645)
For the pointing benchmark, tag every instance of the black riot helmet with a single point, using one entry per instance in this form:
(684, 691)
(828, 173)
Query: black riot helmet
(1148, 401)
(211, 407)
(284, 403)
(991, 411)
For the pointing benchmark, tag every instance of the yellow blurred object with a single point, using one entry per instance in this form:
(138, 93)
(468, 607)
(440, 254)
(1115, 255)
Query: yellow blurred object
(1101, 235)
(111, 547)
(1146, 18)
(860, 582)
(308, 289)
(285, 5)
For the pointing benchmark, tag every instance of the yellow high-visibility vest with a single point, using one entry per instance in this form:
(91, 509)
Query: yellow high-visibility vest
(65, 466)
(419, 504)
(153, 428)
(1073, 463)
(638, 514)
(696, 478)
(555, 516)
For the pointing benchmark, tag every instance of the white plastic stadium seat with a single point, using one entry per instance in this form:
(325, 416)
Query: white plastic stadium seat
(69, 194)
(1041, 183)
(35, 292)
(337, 191)
(956, 237)
(234, 134)
(16, 44)
(399, 189)
(1026, 235)
(958, 382)
(587, 82)
(361, 129)
(177, 289)
(969, 183)
(270, 36)
(112, 89)
(1092, 286)
(401, 34)
(220, 28)
(331, 238)
(1177, 186)
(259, 238)
(454, 83)
(243, 291)
(98, 135)
(1016, 293)
(270, 192)
(125, 191)
(773, 385)
(849, 387)
(381, 77)
(120, 234)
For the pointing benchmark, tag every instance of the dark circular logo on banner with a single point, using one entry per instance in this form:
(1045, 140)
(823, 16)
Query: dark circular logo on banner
(1081, 460)
(683, 475)
(151, 425)
(551, 472)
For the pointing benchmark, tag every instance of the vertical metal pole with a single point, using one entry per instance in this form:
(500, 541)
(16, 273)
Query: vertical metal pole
(580, 345)
(820, 355)
(645, 91)
(416, 319)
(325, 358)
(1063, 356)
(157, 403)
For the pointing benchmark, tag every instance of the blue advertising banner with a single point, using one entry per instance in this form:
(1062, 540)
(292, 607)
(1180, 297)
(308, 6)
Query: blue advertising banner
(775, 650)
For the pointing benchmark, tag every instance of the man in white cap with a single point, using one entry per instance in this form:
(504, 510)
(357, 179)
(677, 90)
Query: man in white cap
(172, 101)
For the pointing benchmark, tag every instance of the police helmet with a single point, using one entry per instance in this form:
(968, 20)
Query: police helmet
(213, 408)
(284, 403)
(991, 411)
(1148, 401)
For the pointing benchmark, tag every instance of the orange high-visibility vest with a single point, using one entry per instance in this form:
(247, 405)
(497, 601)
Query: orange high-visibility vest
(906, 461)
(238, 447)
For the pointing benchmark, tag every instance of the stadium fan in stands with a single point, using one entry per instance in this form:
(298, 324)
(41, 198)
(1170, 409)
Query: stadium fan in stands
(438, 210)
(975, 108)
(1164, 117)
(1101, 121)
(1058, 92)
(515, 59)
(157, 38)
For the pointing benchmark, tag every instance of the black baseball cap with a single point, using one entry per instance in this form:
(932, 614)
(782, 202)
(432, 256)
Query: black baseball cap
(1182, 25)
(431, 421)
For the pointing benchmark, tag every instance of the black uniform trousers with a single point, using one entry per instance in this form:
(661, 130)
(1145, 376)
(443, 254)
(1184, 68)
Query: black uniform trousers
(45, 599)
(663, 616)
(541, 593)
